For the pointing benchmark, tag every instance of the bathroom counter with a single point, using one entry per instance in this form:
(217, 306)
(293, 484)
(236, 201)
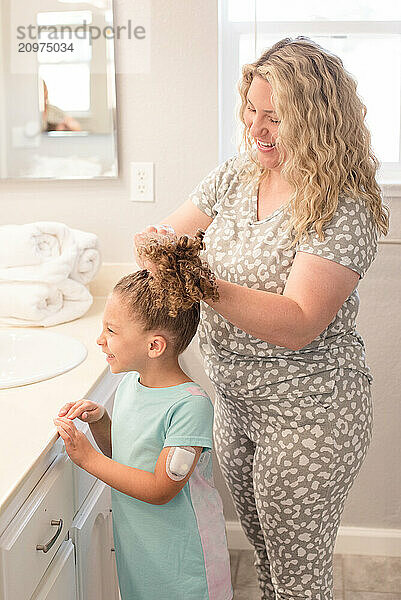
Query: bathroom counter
(27, 412)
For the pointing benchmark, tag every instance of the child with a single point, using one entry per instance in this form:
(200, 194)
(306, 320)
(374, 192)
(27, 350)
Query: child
(168, 522)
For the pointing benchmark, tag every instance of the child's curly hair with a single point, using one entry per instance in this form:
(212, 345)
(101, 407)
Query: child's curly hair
(170, 298)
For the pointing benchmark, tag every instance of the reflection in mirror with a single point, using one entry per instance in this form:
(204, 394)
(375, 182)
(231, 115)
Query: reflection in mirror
(60, 114)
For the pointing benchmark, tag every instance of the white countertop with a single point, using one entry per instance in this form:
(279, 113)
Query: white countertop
(27, 412)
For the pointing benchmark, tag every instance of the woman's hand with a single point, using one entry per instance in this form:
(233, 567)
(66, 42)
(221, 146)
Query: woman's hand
(140, 238)
(86, 411)
(77, 445)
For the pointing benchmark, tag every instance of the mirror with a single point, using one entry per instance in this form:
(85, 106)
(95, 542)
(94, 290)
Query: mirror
(58, 100)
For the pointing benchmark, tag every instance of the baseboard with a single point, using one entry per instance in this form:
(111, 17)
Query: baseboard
(350, 540)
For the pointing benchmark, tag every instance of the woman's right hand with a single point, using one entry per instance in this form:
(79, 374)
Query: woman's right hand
(86, 411)
(138, 239)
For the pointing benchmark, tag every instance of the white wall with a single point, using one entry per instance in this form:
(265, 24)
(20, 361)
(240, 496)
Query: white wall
(170, 116)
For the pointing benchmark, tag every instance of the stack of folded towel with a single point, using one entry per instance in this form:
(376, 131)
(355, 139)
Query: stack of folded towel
(44, 270)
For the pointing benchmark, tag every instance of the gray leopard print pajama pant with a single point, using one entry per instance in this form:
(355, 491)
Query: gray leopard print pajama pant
(289, 465)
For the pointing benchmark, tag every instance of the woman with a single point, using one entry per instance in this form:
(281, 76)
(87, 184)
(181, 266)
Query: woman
(291, 227)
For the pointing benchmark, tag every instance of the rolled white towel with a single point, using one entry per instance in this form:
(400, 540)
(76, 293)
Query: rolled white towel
(55, 270)
(29, 301)
(32, 243)
(48, 251)
(28, 304)
(88, 257)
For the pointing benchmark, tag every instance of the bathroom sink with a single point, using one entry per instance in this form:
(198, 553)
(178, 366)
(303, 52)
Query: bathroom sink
(31, 356)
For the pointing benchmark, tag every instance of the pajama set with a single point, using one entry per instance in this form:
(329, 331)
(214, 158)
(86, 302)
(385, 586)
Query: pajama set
(292, 427)
(177, 550)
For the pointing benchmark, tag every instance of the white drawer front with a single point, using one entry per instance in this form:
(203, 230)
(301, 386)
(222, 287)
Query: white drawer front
(21, 564)
(58, 583)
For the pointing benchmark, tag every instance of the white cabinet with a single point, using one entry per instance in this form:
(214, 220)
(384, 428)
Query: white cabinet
(58, 583)
(36, 532)
(92, 534)
(58, 540)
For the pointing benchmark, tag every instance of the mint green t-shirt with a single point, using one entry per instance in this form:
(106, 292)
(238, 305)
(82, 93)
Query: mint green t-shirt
(176, 550)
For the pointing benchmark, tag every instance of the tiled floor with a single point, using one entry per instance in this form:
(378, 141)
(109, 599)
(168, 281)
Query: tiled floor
(355, 577)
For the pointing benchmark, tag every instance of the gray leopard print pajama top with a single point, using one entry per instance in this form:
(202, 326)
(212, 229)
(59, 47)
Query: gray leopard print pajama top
(252, 253)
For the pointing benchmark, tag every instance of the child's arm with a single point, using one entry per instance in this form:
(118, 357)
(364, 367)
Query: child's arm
(154, 488)
(101, 431)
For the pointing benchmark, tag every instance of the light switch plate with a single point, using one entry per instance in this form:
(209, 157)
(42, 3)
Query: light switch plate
(142, 178)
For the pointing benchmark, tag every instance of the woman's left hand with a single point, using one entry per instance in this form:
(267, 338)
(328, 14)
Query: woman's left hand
(140, 238)
(77, 445)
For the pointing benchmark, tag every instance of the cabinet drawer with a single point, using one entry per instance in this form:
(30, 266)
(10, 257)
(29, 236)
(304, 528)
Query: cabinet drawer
(58, 583)
(21, 564)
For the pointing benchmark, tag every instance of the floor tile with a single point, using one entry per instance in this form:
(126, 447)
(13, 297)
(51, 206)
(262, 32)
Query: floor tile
(247, 593)
(381, 574)
(246, 573)
(338, 572)
(234, 558)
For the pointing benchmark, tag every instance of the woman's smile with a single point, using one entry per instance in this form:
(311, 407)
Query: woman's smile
(264, 146)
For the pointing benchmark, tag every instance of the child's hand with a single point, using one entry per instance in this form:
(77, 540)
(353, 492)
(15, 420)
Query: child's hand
(77, 445)
(86, 411)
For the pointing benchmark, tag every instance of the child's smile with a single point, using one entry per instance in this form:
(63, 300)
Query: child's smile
(123, 340)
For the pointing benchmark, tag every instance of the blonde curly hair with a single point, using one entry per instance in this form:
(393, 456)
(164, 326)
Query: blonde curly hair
(321, 132)
(169, 299)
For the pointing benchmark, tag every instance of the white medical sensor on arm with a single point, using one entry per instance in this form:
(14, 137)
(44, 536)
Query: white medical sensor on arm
(179, 462)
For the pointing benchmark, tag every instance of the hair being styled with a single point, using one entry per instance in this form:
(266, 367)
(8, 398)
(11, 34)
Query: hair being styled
(322, 132)
(169, 299)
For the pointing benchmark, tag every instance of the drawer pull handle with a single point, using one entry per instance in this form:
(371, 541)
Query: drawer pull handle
(49, 544)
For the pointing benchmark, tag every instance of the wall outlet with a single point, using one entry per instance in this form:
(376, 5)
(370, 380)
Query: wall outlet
(21, 140)
(142, 176)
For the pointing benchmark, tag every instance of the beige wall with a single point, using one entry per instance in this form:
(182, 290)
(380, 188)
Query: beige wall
(170, 116)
